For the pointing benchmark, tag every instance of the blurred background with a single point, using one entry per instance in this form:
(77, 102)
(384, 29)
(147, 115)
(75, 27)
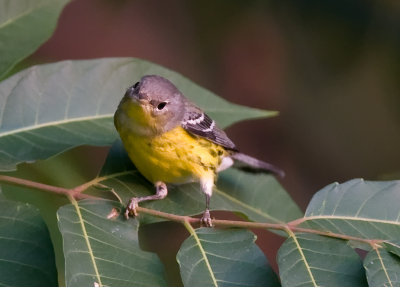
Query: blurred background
(332, 69)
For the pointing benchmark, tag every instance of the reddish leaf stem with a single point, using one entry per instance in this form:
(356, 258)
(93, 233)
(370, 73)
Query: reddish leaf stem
(286, 227)
(41, 186)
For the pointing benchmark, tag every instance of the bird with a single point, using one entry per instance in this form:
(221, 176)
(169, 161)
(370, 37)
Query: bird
(170, 140)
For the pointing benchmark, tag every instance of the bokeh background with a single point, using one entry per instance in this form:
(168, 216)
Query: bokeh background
(332, 69)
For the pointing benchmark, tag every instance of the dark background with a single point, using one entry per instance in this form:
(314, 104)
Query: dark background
(332, 69)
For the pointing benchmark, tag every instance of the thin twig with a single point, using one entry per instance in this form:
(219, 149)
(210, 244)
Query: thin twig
(256, 225)
(81, 188)
(41, 186)
(290, 227)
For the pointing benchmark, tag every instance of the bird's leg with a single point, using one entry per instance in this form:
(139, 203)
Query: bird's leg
(206, 218)
(206, 185)
(161, 192)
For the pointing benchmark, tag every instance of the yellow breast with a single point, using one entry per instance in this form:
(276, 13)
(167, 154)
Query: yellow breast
(174, 156)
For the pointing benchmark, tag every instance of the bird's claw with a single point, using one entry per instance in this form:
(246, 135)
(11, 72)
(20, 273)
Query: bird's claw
(131, 208)
(206, 219)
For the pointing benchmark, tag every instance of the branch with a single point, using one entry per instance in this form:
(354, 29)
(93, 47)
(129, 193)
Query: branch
(257, 225)
(41, 186)
(289, 228)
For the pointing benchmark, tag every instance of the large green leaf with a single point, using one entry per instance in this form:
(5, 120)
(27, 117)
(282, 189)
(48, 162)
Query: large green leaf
(104, 251)
(259, 196)
(47, 109)
(24, 26)
(26, 252)
(366, 209)
(212, 257)
(383, 268)
(313, 260)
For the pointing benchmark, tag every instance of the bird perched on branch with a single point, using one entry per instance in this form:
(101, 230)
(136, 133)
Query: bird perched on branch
(170, 140)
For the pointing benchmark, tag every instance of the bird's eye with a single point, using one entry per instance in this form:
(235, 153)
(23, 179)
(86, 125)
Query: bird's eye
(161, 105)
(135, 85)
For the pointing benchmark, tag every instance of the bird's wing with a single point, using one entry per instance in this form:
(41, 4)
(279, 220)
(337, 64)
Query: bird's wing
(198, 123)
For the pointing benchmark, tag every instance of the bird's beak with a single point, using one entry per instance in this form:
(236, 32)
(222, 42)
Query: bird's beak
(130, 93)
(137, 97)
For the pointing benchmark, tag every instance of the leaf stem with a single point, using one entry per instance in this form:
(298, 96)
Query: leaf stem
(290, 227)
(86, 185)
(41, 186)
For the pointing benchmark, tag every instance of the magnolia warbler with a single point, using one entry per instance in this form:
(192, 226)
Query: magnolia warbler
(170, 140)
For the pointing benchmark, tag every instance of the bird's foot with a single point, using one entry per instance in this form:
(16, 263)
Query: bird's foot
(131, 208)
(206, 219)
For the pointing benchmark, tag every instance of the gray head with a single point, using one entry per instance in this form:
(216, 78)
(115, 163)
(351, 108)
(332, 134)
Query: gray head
(156, 101)
(157, 89)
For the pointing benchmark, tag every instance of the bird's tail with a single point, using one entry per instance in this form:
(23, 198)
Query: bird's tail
(249, 163)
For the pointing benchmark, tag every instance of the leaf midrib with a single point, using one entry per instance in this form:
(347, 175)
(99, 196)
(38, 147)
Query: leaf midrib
(54, 123)
(383, 267)
(24, 13)
(303, 257)
(85, 235)
(366, 219)
(202, 251)
(249, 207)
(59, 122)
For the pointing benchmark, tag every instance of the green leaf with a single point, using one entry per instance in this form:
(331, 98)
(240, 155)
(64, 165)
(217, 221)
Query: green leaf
(26, 252)
(259, 196)
(392, 246)
(24, 26)
(382, 268)
(366, 209)
(104, 251)
(69, 169)
(47, 109)
(212, 257)
(117, 161)
(313, 260)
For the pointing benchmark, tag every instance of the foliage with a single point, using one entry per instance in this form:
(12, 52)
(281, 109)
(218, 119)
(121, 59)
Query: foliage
(72, 103)
(223, 257)
(48, 109)
(24, 26)
(26, 252)
(104, 251)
